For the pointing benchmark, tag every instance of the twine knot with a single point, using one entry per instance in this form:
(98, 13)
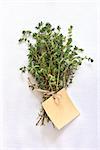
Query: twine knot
(56, 96)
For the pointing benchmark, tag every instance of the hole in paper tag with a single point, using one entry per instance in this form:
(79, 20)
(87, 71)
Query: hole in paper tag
(57, 97)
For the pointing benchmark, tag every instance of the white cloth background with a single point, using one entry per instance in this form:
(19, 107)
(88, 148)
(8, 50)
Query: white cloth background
(20, 105)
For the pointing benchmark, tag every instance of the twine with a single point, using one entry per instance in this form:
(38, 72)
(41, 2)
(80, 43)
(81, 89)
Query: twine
(56, 96)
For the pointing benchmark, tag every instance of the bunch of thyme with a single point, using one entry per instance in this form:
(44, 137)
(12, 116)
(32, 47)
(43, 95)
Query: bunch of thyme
(52, 59)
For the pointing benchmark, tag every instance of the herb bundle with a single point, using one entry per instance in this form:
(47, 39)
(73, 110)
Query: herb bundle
(52, 60)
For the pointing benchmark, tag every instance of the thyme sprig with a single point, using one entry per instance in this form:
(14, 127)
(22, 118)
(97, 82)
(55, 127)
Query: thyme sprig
(52, 59)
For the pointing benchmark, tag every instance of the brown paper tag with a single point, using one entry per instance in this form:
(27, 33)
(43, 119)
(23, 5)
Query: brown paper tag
(60, 109)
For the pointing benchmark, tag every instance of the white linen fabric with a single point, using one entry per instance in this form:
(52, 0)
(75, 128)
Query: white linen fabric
(20, 105)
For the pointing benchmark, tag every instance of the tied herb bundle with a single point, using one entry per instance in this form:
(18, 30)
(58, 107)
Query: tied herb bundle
(52, 60)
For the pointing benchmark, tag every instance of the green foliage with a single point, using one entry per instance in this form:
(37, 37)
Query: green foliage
(52, 59)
